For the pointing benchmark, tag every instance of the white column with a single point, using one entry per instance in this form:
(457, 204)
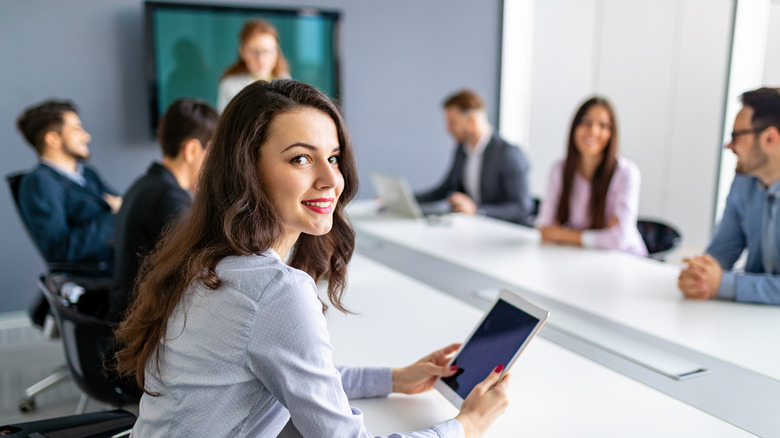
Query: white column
(516, 63)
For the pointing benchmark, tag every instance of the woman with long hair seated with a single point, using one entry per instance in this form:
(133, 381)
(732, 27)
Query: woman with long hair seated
(593, 195)
(260, 57)
(229, 340)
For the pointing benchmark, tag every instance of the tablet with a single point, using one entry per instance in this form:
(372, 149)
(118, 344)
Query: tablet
(499, 338)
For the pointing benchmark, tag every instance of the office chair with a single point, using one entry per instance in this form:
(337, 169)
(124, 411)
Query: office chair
(535, 206)
(106, 424)
(660, 238)
(89, 347)
(99, 277)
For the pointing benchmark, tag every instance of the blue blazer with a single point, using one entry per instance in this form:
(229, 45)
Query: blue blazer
(68, 222)
(503, 182)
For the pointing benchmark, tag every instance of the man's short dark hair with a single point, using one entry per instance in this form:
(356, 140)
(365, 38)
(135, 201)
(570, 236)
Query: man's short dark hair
(465, 101)
(47, 116)
(765, 103)
(184, 120)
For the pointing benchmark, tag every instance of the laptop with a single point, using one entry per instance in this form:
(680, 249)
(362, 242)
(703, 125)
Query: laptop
(399, 199)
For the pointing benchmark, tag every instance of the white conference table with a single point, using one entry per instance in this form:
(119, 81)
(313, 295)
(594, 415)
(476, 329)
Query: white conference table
(608, 307)
(554, 393)
(637, 292)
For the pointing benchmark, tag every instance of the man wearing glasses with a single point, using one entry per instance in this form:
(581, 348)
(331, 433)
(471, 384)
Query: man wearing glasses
(751, 219)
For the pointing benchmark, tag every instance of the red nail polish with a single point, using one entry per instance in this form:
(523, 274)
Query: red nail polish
(500, 368)
(453, 368)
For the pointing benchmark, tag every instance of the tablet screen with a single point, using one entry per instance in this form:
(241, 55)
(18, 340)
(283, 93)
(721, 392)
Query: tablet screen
(501, 334)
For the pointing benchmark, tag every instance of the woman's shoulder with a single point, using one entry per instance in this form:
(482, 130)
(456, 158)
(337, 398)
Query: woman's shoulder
(235, 80)
(626, 163)
(557, 168)
(253, 275)
(626, 168)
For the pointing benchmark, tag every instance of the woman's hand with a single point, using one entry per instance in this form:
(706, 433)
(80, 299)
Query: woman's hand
(559, 234)
(419, 376)
(484, 404)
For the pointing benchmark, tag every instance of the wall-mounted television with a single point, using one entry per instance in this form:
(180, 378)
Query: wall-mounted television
(190, 45)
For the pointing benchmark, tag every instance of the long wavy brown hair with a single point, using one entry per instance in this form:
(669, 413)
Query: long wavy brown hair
(250, 29)
(601, 178)
(232, 214)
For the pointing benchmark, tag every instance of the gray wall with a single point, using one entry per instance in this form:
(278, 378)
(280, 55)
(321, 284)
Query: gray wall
(400, 58)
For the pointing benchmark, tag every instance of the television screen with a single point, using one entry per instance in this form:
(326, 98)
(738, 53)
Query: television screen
(190, 45)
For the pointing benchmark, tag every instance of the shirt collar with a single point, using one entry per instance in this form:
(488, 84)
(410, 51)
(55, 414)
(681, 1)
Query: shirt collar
(774, 189)
(481, 143)
(76, 176)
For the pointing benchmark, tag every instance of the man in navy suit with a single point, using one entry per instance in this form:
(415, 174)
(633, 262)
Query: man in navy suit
(488, 176)
(65, 205)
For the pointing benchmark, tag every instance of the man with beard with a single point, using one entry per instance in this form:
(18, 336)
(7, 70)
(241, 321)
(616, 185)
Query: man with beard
(66, 206)
(751, 218)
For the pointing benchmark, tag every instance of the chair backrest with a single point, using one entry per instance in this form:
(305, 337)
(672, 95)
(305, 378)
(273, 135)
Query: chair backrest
(14, 182)
(535, 206)
(660, 238)
(88, 269)
(88, 343)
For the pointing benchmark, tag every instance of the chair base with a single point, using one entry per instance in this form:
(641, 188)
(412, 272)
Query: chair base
(27, 404)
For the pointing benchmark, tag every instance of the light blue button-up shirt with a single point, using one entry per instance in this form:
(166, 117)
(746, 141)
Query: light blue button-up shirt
(76, 176)
(241, 360)
(750, 221)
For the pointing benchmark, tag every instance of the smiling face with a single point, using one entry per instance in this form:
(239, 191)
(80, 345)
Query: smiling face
(593, 132)
(73, 137)
(299, 167)
(260, 53)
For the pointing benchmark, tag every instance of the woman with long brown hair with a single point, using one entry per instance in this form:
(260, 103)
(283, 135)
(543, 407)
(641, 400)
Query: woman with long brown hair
(228, 340)
(593, 195)
(260, 57)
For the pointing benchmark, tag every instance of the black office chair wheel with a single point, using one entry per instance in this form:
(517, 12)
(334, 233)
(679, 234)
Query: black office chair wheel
(26, 405)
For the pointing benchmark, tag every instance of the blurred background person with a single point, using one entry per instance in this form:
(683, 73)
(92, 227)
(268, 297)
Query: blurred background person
(488, 175)
(750, 220)
(66, 206)
(259, 58)
(593, 194)
(161, 195)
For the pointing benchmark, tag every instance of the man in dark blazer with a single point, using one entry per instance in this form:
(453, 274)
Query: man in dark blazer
(65, 205)
(488, 176)
(162, 195)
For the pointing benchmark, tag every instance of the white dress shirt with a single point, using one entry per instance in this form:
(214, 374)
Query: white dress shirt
(472, 170)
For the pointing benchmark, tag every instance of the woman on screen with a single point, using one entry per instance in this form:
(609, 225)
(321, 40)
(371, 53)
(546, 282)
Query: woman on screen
(259, 58)
(226, 337)
(593, 195)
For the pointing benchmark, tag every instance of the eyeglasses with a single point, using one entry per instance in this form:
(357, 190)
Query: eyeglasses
(735, 134)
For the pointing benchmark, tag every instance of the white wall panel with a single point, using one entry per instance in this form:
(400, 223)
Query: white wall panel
(696, 117)
(635, 72)
(772, 58)
(562, 77)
